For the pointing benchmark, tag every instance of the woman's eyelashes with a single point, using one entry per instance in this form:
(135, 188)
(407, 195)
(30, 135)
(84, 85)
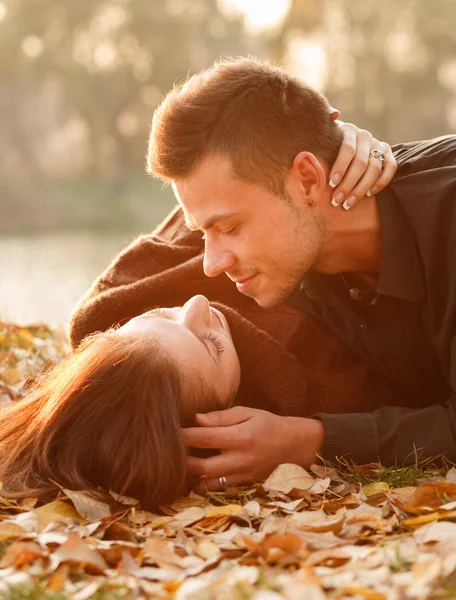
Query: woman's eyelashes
(219, 345)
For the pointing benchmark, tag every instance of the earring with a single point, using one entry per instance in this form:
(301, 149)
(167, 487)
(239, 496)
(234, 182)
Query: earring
(310, 203)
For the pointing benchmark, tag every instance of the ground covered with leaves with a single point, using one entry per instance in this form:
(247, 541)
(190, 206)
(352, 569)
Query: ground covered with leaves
(336, 531)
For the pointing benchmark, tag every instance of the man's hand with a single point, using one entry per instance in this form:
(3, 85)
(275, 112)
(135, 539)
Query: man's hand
(355, 174)
(252, 444)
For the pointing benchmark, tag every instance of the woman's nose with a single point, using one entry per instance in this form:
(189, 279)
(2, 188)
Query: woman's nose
(197, 313)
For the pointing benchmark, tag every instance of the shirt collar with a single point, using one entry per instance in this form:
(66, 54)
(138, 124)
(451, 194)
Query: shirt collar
(400, 275)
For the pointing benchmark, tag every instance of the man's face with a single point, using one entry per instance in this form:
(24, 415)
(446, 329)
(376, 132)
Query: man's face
(263, 242)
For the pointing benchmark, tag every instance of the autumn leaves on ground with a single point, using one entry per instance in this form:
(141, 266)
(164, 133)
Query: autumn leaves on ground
(337, 531)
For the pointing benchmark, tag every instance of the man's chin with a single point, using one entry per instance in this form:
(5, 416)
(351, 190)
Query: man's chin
(267, 298)
(267, 301)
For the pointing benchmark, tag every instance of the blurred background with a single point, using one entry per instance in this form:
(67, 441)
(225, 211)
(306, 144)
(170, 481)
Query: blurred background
(80, 79)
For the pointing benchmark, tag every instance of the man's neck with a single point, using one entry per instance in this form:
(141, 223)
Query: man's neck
(352, 241)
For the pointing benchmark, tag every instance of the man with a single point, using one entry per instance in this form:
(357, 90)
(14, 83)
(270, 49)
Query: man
(249, 151)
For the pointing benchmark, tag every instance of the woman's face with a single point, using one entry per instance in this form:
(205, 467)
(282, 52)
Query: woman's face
(196, 335)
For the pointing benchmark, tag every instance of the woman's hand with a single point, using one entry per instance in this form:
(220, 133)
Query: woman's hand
(252, 444)
(355, 174)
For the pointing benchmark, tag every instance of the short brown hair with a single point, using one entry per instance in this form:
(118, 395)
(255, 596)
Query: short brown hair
(250, 111)
(110, 416)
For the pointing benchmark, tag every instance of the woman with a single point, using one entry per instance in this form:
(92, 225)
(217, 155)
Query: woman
(110, 415)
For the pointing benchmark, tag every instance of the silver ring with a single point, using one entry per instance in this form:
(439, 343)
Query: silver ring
(222, 482)
(375, 153)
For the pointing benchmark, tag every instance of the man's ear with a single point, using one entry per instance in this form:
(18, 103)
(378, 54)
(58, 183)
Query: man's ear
(334, 113)
(310, 176)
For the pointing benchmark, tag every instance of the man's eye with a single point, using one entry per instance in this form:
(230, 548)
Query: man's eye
(231, 231)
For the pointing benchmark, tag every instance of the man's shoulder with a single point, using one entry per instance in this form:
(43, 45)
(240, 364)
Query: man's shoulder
(425, 155)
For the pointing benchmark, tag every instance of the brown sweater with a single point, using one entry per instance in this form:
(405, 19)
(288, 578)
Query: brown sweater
(291, 365)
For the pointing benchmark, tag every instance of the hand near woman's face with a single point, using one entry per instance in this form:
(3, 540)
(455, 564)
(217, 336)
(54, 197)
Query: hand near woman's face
(252, 443)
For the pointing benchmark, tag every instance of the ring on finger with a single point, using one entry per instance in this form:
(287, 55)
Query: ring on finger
(375, 153)
(222, 483)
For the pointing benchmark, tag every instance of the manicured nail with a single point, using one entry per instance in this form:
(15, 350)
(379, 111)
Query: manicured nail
(349, 202)
(335, 179)
(338, 198)
(372, 191)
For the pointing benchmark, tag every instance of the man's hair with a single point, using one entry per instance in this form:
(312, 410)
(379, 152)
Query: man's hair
(110, 415)
(249, 111)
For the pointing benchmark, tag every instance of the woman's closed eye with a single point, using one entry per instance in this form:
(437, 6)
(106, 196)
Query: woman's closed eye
(219, 345)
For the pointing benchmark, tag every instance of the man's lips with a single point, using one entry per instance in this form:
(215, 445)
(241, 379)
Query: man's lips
(243, 284)
(242, 279)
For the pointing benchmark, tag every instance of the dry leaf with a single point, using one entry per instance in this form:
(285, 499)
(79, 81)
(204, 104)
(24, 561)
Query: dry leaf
(436, 532)
(371, 489)
(320, 522)
(320, 486)
(58, 578)
(11, 530)
(75, 551)
(431, 495)
(88, 507)
(20, 554)
(56, 511)
(124, 499)
(287, 477)
(451, 475)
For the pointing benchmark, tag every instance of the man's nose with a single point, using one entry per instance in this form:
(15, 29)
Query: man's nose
(217, 260)
(197, 313)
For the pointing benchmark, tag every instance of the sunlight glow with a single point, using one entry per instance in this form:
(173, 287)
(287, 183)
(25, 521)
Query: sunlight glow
(259, 14)
(306, 59)
(2, 10)
(32, 46)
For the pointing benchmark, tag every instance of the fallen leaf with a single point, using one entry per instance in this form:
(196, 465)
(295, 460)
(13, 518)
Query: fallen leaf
(226, 510)
(431, 495)
(152, 573)
(288, 476)
(374, 488)
(188, 516)
(252, 510)
(436, 532)
(57, 580)
(451, 475)
(11, 530)
(127, 500)
(321, 522)
(320, 486)
(90, 508)
(158, 551)
(56, 511)
(20, 554)
(76, 551)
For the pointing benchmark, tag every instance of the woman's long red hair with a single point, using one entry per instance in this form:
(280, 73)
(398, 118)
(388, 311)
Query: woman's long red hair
(109, 416)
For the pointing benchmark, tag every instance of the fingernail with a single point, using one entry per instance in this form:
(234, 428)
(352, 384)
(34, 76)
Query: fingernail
(335, 179)
(372, 191)
(349, 202)
(338, 199)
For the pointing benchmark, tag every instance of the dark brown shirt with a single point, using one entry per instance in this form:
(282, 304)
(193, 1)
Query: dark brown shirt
(406, 328)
